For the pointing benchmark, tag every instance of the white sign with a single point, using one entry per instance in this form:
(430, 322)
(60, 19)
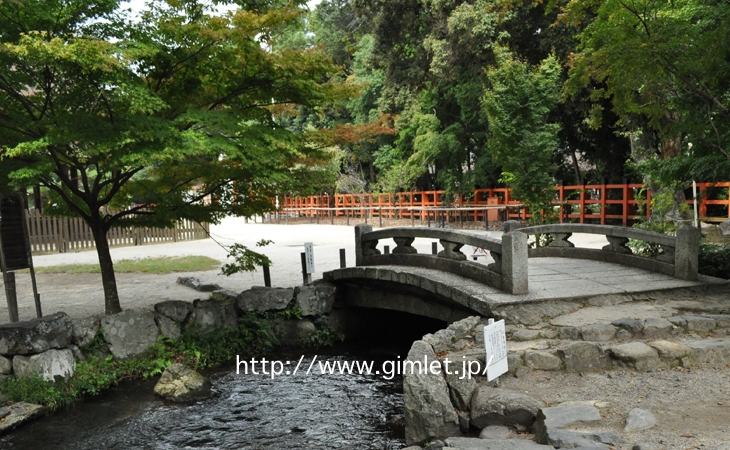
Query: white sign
(309, 256)
(495, 342)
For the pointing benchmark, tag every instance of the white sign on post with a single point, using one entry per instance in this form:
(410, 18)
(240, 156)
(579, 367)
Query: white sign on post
(495, 342)
(309, 256)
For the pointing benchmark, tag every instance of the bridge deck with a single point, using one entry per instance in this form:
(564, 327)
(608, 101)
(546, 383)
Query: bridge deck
(550, 279)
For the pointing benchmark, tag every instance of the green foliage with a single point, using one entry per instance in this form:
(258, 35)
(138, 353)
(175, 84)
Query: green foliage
(714, 260)
(657, 226)
(517, 102)
(246, 260)
(136, 122)
(253, 337)
(324, 336)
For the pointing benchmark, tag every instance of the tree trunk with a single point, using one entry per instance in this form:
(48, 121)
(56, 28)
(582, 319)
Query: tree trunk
(108, 279)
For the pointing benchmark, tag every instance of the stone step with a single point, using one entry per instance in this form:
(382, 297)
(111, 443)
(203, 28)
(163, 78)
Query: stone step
(582, 356)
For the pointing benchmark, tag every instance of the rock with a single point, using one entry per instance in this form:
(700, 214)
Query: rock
(413, 447)
(639, 419)
(291, 331)
(569, 333)
(701, 325)
(598, 332)
(575, 439)
(6, 366)
(711, 352)
(582, 357)
(176, 310)
(721, 320)
(631, 325)
(465, 443)
(19, 413)
(427, 408)
(561, 416)
(524, 334)
(539, 360)
(84, 330)
(264, 299)
(168, 327)
(454, 337)
(656, 328)
(194, 283)
(464, 422)
(130, 333)
(224, 295)
(435, 445)
(50, 365)
(207, 316)
(498, 406)
(181, 384)
(670, 351)
(461, 384)
(36, 335)
(78, 354)
(514, 362)
(315, 300)
(496, 432)
(637, 355)
(725, 227)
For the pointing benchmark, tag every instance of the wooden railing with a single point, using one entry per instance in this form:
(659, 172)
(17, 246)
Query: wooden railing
(64, 234)
(592, 203)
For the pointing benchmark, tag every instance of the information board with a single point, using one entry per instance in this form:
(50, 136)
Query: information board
(309, 256)
(13, 245)
(495, 342)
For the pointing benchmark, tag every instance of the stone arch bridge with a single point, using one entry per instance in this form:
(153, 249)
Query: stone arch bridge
(519, 275)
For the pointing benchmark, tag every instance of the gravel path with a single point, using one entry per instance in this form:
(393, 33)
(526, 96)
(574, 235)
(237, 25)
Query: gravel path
(692, 406)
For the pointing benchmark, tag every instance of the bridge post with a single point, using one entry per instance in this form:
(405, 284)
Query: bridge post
(359, 231)
(686, 253)
(514, 263)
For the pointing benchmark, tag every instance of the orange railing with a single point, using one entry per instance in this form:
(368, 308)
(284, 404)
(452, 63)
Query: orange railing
(591, 203)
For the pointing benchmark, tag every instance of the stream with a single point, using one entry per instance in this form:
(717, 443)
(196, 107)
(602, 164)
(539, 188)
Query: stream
(248, 412)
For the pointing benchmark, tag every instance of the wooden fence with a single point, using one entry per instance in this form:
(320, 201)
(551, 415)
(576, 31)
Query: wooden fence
(63, 234)
(605, 204)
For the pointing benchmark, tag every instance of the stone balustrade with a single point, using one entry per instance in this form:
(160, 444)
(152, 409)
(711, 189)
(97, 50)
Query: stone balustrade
(677, 257)
(508, 273)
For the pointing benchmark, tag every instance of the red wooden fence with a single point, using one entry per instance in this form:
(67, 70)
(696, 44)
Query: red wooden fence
(592, 203)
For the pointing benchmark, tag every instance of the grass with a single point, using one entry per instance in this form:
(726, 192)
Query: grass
(148, 265)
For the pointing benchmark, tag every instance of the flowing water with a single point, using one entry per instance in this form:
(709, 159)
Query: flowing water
(248, 412)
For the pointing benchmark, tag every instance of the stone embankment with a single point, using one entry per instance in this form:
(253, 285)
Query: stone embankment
(599, 335)
(51, 346)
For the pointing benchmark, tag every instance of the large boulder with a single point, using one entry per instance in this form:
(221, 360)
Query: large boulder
(264, 299)
(51, 364)
(454, 337)
(561, 416)
(130, 333)
(85, 329)
(499, 406)
(427, 407)
(209, 316)
(292, 332)
(6, 366)
(465, 443)
(194, 283)
(36, 335)
(168, 327)
(176, 310)
(315, 300)
(181, 384)
(18, 413)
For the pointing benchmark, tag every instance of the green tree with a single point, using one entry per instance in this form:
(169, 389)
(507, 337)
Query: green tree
(518, 101)
(665, 69)
(139, 122)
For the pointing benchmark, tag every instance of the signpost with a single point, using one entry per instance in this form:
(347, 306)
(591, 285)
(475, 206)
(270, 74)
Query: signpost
(495, 342)
(307, 263)
(15, 253)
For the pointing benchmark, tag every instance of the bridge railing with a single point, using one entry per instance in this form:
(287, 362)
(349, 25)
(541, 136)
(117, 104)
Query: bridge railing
(508, 273)
(676, 256)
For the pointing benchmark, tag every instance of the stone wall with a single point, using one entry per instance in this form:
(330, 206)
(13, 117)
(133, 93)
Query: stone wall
(50, 346)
